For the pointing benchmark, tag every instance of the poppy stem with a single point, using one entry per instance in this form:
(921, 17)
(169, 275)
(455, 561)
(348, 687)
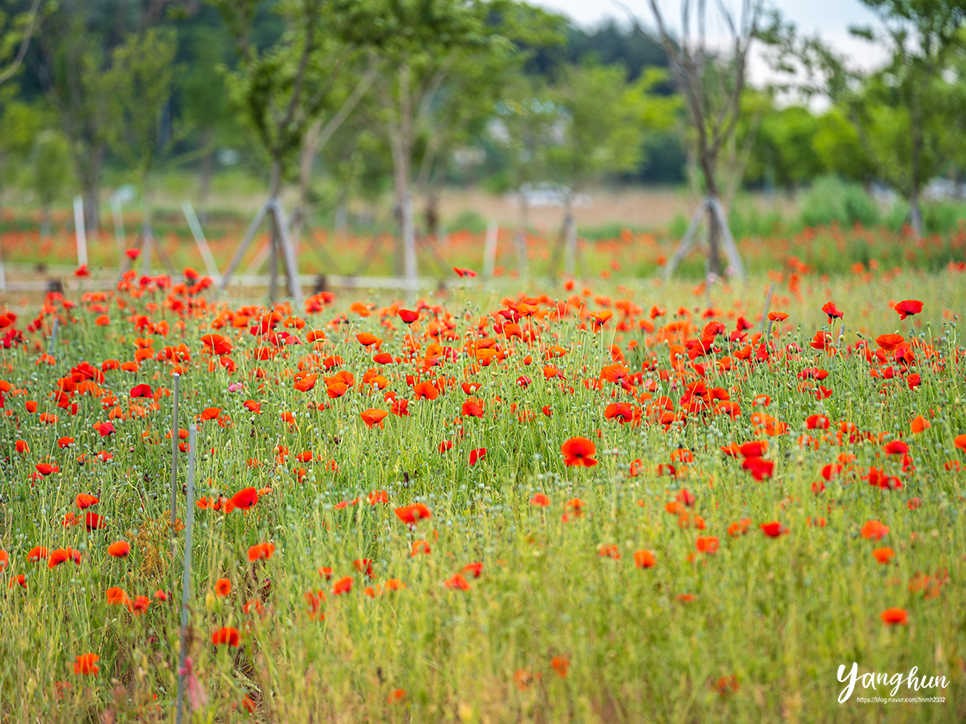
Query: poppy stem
(186, 576)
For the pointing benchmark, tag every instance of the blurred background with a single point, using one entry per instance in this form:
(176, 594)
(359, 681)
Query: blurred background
(375, 123)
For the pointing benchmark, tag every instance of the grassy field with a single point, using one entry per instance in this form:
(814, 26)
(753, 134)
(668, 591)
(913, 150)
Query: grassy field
(617, 500)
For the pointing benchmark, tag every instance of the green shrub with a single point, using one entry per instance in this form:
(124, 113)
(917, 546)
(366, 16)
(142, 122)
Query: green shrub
(830, 199)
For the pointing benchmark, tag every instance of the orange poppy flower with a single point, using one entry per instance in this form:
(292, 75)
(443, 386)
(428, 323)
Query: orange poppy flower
(412, 514)
(261, 550)
(874, 530)
(119, 549)
(373, 417)
(457, 582)
(86, 664)
(222, 587)
(644, 559)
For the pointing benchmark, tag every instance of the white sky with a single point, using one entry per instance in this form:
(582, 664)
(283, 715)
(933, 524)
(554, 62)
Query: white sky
(830, 18)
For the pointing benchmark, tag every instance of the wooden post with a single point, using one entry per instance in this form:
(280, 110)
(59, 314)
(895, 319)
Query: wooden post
(288, 254)
(489, 248)
(570, 248)
(80, 231)
(734, 259)
(53, 337)
(119, 235)
(186, 571)
(243, 247)
(200, 240)
(174, 448)
(686, 241)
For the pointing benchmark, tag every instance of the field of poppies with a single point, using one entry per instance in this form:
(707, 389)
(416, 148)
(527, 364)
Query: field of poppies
(602, 501)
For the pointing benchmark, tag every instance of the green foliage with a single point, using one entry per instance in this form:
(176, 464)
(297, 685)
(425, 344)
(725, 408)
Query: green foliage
(831, 199)
(140, 82)
(50, 164)
(599, 124)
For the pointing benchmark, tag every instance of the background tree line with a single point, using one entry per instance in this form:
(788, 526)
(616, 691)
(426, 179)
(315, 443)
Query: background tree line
(359, 101)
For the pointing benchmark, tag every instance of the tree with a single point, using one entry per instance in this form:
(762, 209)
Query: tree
(712, 83)
(907, 114)
(839, 149)
(602, 121)
(50, 158)
(422, 44)
(16, 31)
(139, 85)
(283, 87)
(525, 120)
(73, 74)
(920, 34)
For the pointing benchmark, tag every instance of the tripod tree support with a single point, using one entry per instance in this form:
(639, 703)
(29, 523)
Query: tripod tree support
(708, 206)
(280, 238)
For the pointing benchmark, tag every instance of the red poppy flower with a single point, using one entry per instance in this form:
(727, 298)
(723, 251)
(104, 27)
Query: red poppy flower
(894, 616)
(832, 311)
(874, 530)
(457, 582)
(908, 308)
(540, 500)
(412, 514)
(142, 390)
(245, 498)
(579, 451)
(226, 636)
(342, 586)
(408, 316)
(477, 455)
(374, 417)
(644, 559)
(773, 529)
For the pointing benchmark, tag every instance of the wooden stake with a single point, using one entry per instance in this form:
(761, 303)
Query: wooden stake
(174, 448)
(489, 249)
(186, 573)
(119, 236)
(81, 233)
(686, 241)
(243, 247)
(53, 337)
(200, 240)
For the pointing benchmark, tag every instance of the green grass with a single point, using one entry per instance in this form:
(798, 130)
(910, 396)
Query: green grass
(778, 614)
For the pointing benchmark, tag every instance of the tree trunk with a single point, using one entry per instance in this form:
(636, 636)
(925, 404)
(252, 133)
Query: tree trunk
(275, 186)
(45, 220)
(714, 230)
(310, 146)
(91, 181)
(915, 212)
(401, 142)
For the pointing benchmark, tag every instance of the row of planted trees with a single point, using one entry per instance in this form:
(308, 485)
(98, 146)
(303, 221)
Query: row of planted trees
(424, 77)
